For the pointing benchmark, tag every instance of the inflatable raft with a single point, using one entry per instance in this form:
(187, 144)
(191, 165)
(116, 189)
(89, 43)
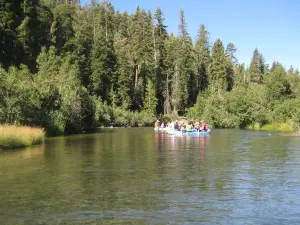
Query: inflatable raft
(193, 133)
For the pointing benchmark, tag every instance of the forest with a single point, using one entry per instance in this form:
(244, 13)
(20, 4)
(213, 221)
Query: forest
(70, 68)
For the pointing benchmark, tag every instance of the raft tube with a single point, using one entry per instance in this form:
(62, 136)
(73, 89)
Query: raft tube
(193, 133)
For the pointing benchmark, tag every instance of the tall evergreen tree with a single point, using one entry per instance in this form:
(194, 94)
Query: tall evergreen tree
(217, 68)
(240, 78)
(186, 67)
(62, 29)
(136, 38)
(83, 44)
(125, 68)
(160, 36)
(172, 88)
(10, 17)
(150, 102)
(231, 62)
(33, 32)
(257, 67)
(274, 65)
(291, 70)
(104, 64)
(229, 53)
(202, 53)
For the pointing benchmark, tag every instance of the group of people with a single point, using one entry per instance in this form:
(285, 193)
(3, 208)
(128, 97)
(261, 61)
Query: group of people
(189, 127)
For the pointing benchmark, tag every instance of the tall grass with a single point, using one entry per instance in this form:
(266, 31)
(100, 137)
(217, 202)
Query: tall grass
(20, 136)
(283, 126)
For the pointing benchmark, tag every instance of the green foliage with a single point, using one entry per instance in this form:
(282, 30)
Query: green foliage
(217, 68)
(258, 68)
(277, 85)
(150, 102)
(62, 27)
(160, 37)
(103, 62)
(15, 91)
(104, 114)
(114, 68)
(202, 55)
(238, 108)
(296, 119)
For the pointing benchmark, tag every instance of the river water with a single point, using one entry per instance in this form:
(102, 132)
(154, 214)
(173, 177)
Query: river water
(138, 176)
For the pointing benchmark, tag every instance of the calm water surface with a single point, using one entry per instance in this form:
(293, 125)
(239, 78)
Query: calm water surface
(138, 176)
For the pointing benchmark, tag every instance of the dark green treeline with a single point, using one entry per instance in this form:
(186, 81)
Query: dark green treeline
(69, 68)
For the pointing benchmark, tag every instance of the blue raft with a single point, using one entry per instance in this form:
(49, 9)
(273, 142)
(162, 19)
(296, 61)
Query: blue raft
(193, 133)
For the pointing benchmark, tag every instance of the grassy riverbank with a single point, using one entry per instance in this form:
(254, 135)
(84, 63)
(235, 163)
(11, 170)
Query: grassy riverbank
(20, 136)
(283, 127)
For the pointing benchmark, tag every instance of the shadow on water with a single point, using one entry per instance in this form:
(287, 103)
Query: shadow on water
(138, 176)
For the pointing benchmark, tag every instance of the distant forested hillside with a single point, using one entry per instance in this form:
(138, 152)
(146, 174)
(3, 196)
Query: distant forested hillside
(69, 68)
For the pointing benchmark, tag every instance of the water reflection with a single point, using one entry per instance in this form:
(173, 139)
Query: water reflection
(137, 176)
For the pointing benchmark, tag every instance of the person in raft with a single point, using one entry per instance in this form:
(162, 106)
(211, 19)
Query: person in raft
(157, 124)
(176, 125)
(203, 126)
(197, 126)
(189, 127)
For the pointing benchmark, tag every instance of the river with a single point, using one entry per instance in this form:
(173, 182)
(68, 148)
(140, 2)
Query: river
(138, 176)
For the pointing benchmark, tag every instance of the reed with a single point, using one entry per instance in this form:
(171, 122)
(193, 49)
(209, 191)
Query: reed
(20, 136)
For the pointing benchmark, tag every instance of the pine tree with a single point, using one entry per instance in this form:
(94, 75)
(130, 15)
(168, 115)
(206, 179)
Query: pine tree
(240, 78)
(125, 68)
(83, 44)
(136, 42)
(291, 70)
(160, 36)
(150, 101)
(257, 67)
(34, 31)
(229, 53)
(202, 53)
(62, 28)
(274, 65)
(217, 68)
(231, 62)
(186, 67)
(263, 67)
(172, 88)
(229, 76)
(104, 64)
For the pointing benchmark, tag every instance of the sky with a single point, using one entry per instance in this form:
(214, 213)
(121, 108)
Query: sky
(272, 26)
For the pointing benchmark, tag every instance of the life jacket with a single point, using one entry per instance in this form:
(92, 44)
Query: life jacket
(156, 124)
(188, 128)
(203, 127)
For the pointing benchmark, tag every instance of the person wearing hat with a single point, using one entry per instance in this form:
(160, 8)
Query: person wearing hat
(203, 126)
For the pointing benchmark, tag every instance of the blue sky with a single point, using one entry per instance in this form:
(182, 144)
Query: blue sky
(273, 26)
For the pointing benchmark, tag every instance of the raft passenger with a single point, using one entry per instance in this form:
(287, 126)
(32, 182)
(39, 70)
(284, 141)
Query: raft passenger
(203, 126)
(156, 124)
(189, 127)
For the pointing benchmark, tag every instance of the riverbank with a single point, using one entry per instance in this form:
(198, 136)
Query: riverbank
(281, 127)
(20, 136)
